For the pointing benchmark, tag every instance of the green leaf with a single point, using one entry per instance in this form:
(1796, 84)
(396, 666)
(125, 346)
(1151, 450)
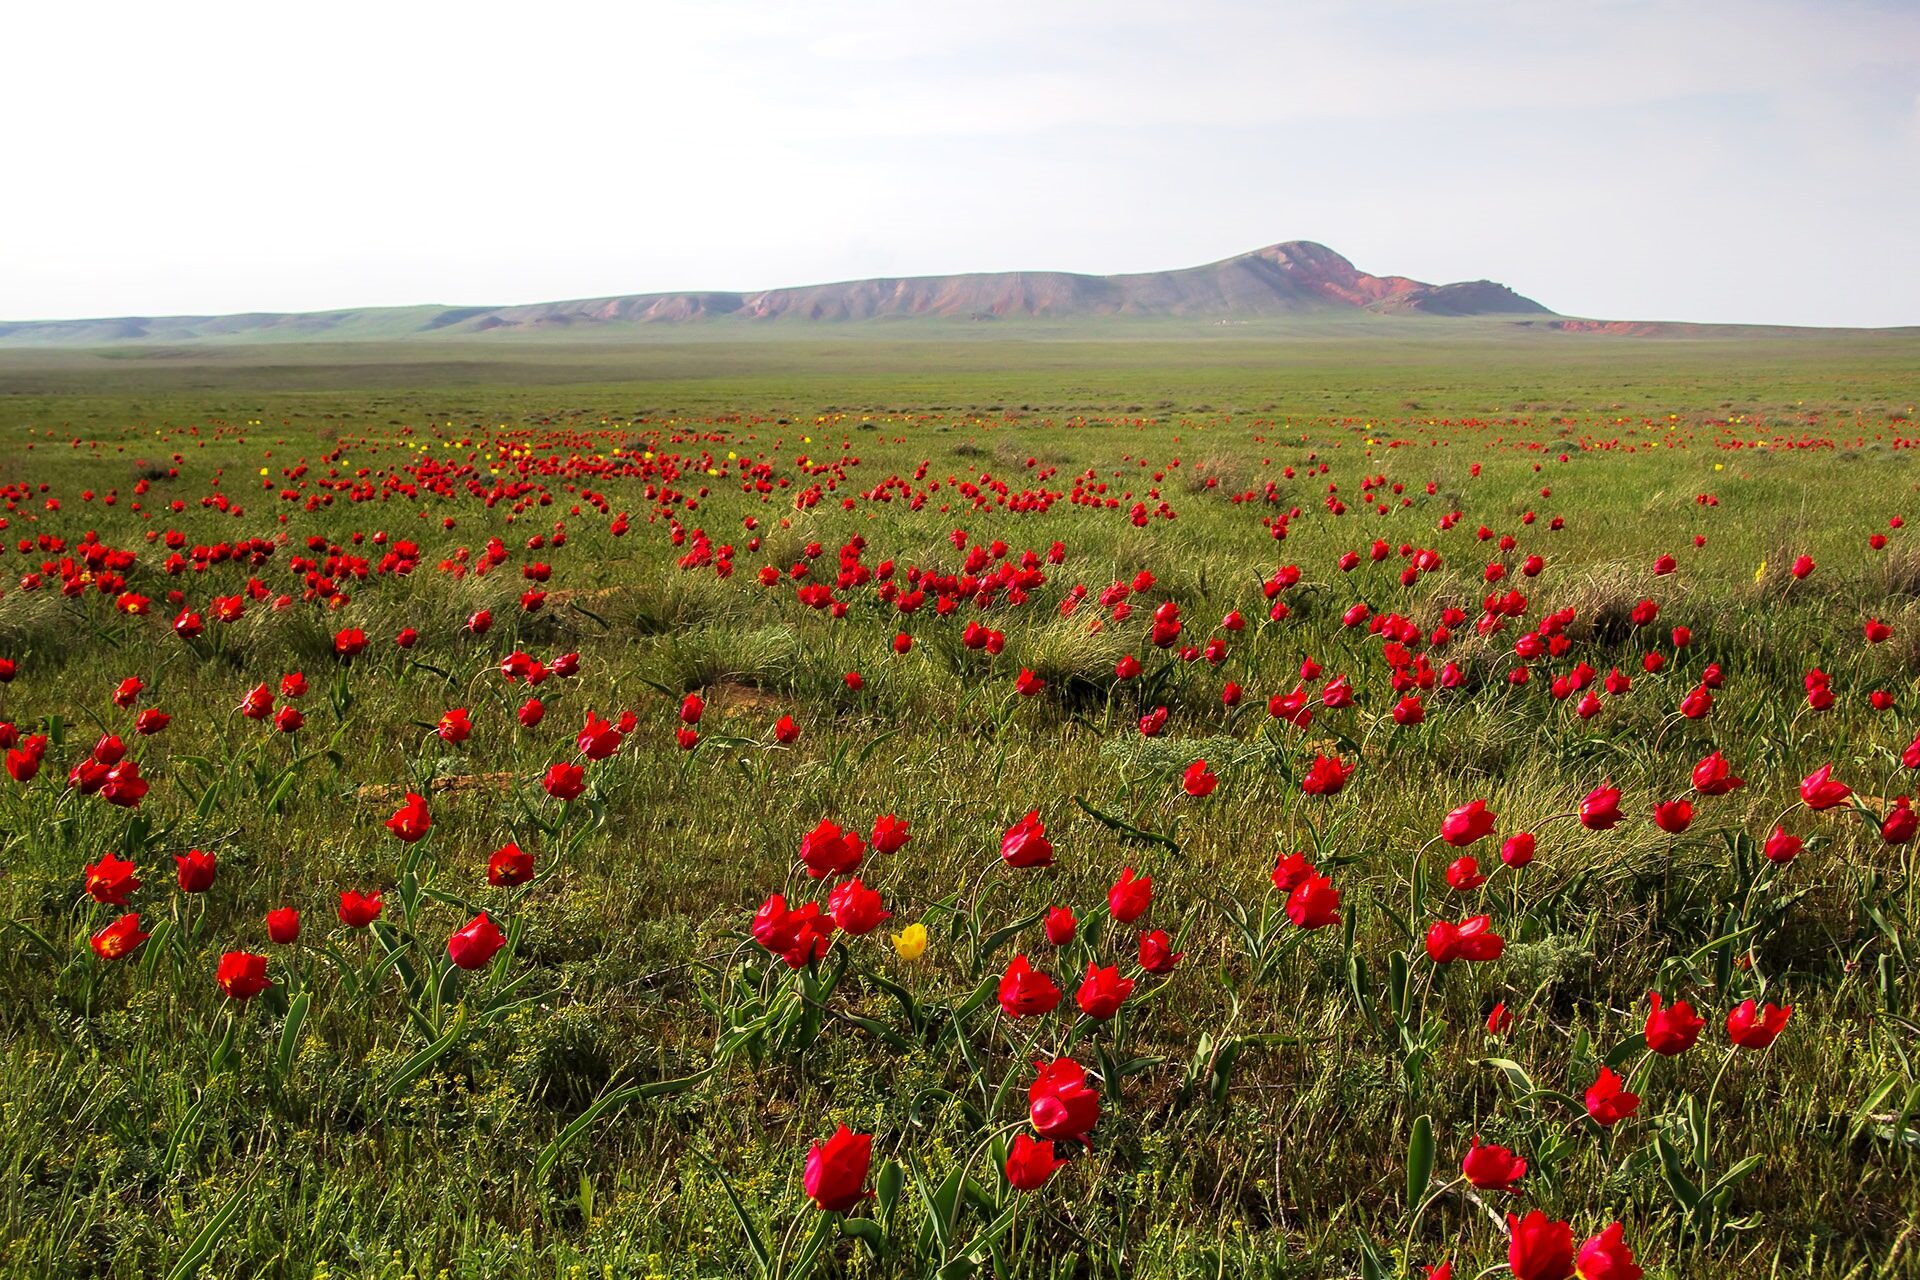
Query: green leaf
(1000, 937)
(865, 1230)
(810, 1252)
(204, 1243)
(417, 1065)
(1675, 1174)
(1725, 1183)
(1419, 1162)
(290, 1033)
(755, 1243)
(1515, 1073)
(1126, 828)
(887, 1189)
(183, 1133)
(874, 745)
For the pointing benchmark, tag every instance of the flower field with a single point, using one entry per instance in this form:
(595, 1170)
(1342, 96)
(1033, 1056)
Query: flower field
(549, 840)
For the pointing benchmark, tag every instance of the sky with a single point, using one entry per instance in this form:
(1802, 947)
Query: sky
(1713, 160)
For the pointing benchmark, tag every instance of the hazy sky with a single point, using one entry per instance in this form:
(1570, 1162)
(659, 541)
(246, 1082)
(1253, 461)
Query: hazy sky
(1739, 160)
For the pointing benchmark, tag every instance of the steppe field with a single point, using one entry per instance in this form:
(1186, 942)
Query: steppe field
(1388, 799)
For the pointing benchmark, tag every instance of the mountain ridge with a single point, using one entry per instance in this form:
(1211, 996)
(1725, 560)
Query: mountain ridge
(1291, 278)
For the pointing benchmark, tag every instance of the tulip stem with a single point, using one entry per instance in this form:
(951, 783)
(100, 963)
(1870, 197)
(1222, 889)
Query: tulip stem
(1706, 1121)
(1413, 1222)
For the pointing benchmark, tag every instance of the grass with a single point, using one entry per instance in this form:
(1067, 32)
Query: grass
(1259, 1107)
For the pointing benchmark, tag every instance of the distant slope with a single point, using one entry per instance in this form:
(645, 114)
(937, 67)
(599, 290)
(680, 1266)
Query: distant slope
(1290, 279)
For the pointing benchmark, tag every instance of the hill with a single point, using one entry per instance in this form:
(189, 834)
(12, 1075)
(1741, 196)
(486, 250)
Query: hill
(1296, 278)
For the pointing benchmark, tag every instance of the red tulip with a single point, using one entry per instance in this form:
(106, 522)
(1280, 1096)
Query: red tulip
(531, 713)
(1467, 824)
(692, 707)
(890, 834)
(1025, 843)
(1197, 781)
(1327, 776)
(289, 719)
(411, 821)
(111, 880)
(1030, 1163)
(1156, 953)
(1819, 791)
(1314, 903)
(1491, 1168)
(1899, 824)
(351, 641)
(1059, 1102)
(799, 937)
(1672, 1029)
(123, 785)
(1500, 1020)
(510, 865)
(1673, 816)
(1464, 875)
(358, 910)
(1026, 992)
(565, 781)
(1290, 871)
(1517, 852)
(283, 925)
(242, 975)
(1129, 898)
(856, 909)
(22, 765)
(195, 871)
(827, 850)
(1600, 811)
(1102, 991)
(1060, 926)
(836, 1171)
(1539, 1248)
(1751, 1027)
(475, 943)
(599, 739)
(1472, 939)
(118, 938)
(1608, 1101)
(1781, 847)
(1802, 566)
(1606, 1257)
(455, 726)
(1714, 777)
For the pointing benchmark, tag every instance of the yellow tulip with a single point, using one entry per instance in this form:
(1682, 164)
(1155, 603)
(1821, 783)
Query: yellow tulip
(911, 942)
